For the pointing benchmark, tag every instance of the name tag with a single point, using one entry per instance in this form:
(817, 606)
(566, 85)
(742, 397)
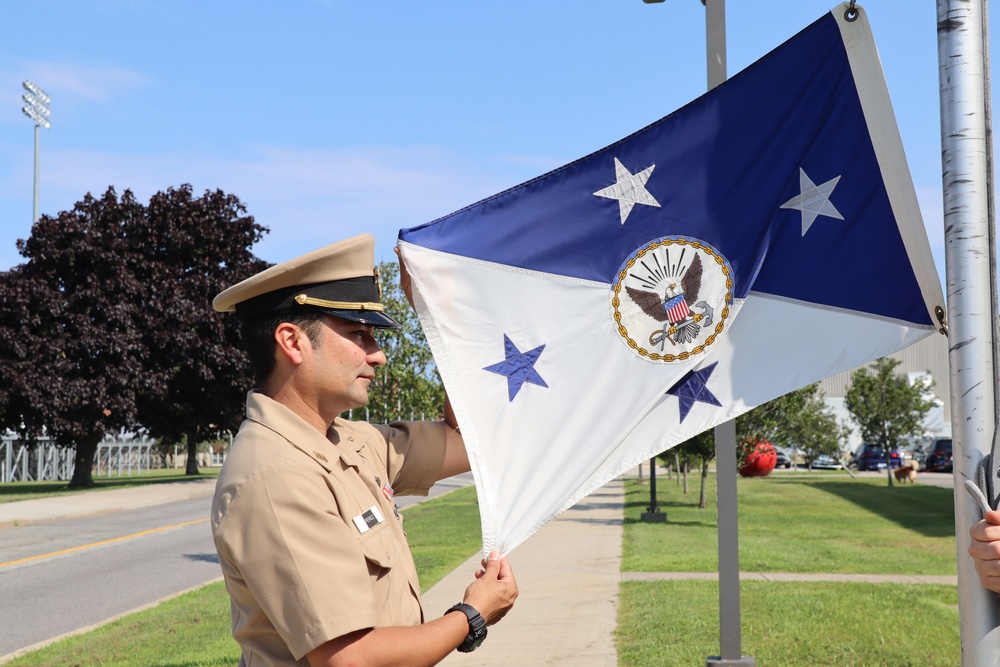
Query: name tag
(368, 519)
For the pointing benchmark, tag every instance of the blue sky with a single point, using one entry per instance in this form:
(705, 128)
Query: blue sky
(329, 118)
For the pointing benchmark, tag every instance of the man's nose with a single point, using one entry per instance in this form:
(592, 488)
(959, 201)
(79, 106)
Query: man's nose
(376, 357)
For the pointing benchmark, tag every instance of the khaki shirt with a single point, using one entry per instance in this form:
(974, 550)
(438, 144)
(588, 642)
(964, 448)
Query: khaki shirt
(301, 563)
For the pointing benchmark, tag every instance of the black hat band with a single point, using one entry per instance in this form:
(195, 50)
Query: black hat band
(349, 294)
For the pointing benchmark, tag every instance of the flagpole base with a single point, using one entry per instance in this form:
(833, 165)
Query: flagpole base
(743, 661)
(654, 517)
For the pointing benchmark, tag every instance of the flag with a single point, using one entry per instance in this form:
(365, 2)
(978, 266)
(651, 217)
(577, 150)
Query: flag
(759, 239)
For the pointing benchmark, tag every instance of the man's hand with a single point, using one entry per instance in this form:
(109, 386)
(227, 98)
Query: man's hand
(985, 550)
(404, 278)
(494, 590)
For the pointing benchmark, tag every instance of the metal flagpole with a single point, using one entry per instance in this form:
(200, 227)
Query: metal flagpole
(970, 277)
(731, 652)
(730, 637)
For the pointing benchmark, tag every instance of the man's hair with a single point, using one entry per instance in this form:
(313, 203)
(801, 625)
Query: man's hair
(258, 338)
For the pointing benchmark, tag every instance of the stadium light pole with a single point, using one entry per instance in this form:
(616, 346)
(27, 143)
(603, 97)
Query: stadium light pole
(37, 109)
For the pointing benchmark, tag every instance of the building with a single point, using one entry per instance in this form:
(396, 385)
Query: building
(926, 357)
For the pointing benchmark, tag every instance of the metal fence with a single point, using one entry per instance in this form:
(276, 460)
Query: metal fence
(43, 460)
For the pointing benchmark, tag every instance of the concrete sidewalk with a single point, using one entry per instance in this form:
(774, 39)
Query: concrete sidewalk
(101, 502)
(567, 574)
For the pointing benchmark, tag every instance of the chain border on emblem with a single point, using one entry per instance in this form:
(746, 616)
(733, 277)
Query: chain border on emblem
(683, 356)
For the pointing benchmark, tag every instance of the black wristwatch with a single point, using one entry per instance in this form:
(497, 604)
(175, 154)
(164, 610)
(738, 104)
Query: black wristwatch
(477, 627)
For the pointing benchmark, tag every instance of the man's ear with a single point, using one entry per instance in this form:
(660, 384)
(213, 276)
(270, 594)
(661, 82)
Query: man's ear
(290, 341)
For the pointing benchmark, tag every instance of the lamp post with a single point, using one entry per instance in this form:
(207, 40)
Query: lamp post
(37, 109)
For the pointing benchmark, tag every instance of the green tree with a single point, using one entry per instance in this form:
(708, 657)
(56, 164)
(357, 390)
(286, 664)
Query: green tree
(409, 383)
(815, 430)
(885, 406)
(800, 418)
(700, 449)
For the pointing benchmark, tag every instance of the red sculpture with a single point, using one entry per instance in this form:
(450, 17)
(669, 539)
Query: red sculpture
(760, 461)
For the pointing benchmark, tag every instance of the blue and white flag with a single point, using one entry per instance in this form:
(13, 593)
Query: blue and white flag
(761, 238)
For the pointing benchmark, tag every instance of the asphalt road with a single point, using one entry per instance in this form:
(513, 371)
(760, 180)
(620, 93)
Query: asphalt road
(61, 577)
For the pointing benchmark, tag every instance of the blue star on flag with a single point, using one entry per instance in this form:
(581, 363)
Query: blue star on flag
(693, 388)
(518, 367)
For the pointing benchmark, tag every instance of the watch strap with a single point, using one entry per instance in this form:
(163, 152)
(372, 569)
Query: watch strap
(477, 627)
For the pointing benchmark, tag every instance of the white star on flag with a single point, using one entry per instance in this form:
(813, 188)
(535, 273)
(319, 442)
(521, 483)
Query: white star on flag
(629, 189)
(813, 200)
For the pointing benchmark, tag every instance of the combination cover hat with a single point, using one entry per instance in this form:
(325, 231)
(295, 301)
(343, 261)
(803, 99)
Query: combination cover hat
(339, 279)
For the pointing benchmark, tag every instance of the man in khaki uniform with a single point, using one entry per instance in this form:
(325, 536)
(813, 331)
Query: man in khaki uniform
(313, 551)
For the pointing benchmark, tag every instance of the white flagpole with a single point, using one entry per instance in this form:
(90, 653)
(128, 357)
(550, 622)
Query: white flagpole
(970, 277)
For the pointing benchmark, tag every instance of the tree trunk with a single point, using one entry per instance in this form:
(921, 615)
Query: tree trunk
(192, 458)
(677, 467)
(83, 463)
(888, 465)
(685, 478)
(704, 481)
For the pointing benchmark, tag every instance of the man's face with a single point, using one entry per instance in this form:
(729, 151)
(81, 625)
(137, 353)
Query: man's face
(344, 357)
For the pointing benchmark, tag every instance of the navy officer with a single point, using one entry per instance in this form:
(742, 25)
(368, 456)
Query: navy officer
(314, 555)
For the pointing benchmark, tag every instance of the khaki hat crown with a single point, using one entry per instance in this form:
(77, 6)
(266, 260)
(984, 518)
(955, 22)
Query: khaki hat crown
(340, 279)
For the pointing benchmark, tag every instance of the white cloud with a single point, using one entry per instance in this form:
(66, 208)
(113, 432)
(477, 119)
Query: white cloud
(98, 84)
(307, 198)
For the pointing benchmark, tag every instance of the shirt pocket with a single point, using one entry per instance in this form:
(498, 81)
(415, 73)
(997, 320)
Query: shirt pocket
(382, 553)
(381, 550)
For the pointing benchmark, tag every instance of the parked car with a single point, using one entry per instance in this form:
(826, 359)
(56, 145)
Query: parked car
(826, 462)
(939, 456)
(871, 457)
(783, 458)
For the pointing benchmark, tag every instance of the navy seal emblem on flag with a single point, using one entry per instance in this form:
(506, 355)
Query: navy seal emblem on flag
(672, 298)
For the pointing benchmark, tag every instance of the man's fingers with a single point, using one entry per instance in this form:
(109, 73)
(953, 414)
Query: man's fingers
(404, 278)
(492, 565)
(985, 530)
(505, 570)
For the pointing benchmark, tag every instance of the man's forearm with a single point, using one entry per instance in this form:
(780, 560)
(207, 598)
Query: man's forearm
(409, 646)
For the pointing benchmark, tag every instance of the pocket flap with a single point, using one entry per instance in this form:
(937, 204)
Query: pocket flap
(380, 547)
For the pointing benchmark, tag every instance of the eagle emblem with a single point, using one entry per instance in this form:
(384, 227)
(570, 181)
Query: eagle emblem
(681, 323)
(677, 285)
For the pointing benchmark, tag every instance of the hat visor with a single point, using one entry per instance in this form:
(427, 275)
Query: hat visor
(372, 318)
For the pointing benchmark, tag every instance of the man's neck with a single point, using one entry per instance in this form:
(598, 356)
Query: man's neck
(286, 394)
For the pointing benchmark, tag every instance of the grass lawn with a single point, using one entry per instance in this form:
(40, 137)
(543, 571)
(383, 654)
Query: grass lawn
(13, 491)
(795, 522)
(192, 630)
(835, 624)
